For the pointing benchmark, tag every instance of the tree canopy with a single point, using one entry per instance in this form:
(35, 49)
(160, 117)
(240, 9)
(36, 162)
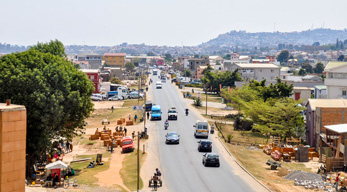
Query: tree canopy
(130, 66)
(54, 47)
(341, 58)
(227, 78)
(319, 68)
(283, 56)
(302, 72)
(308, 68)
(55, 94)
(187, 73)
(168, 57)
(115, 80)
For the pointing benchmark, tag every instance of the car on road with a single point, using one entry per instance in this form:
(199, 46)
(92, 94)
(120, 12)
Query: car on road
(210, 159)
(135, 95)
(158, 85)
(96, 97)
(114, 98)
(172, 137)
(201, 129)
(205, 145)
(172, 113)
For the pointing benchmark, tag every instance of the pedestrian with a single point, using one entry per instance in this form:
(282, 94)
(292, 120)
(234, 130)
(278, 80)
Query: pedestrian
(184, 95)
(129, 117)
(125, 131)
(192, 90)
(146, 89)
(133, 135)
(117, 129)
(71, 145)
(337, 182)
(147, 115)
(135, 117)
(112, 108)
(67, 146)
(112, 145)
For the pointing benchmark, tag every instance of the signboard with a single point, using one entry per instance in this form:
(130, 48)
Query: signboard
(199, 95)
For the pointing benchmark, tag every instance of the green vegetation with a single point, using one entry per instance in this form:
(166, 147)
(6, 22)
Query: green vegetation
(187, 73)
(115, 80)
(213, 80)
(197, 102)
(283, 56)
(129, 170)
(130, 67)
(319, 68)
(55, 94)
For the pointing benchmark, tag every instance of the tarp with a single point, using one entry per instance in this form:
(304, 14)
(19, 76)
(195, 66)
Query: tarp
(56, 165)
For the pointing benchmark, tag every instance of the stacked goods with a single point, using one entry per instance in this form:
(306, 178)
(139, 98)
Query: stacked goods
(123, 120)
(119, 122)
(103, 135)
(276, 155)
(129, 123)
(107, 142)
(109, 132)
(94, 137)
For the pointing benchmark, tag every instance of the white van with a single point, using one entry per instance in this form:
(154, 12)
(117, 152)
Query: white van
(201, 129)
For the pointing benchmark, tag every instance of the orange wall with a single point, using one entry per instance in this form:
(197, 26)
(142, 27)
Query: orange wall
(114, 60)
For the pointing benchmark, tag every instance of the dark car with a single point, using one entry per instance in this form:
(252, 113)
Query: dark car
(205, 145)
(172, 137)
(210, 159)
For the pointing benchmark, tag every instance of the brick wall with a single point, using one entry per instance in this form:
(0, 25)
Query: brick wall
(13, 146)
(330, 116)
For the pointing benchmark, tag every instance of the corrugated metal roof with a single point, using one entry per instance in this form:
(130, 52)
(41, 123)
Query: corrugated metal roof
(320, 87)
(314, 103)
(340, 128)
(333, 64)
(115, 54)
(258, 65)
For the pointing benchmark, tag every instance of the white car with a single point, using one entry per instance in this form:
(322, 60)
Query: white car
(135, 95)
(114, 98)
(96, 97)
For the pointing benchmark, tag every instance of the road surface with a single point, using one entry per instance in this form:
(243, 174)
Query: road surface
(181, 164)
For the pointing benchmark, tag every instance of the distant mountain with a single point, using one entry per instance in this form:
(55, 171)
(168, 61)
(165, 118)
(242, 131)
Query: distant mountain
(267, 39)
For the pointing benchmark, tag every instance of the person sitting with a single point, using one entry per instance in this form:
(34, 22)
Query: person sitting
(155, 180)
(158, 172)
(56, 180)
(48, 181)
(91, 165)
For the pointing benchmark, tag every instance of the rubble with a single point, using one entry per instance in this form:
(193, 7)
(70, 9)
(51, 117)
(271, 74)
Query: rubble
(304, 176)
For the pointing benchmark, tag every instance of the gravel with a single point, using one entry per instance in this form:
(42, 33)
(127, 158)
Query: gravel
(303, 176)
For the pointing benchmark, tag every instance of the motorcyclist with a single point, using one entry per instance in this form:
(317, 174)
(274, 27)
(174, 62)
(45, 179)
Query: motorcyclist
(166, 124)
(187, 111)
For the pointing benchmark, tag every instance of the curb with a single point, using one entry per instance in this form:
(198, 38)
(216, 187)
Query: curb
(250, 174)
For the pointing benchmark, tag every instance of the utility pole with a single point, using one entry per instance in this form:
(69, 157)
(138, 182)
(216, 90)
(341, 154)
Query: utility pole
(138, 91)
(138, 161)
(206, 98)
(144, 113)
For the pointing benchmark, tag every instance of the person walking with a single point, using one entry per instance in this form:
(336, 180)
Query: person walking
(184, 95)
(67, 146)
(71, 146)
(337, 181)
(112, 108)
(125, 131)
(135, 117)
(147, 115)
(192, 90)
(129, 117)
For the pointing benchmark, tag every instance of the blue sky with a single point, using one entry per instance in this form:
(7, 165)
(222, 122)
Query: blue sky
(158, 22)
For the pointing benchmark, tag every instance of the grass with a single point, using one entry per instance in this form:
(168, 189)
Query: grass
(210, 98)
(129, 170)
(85, 176)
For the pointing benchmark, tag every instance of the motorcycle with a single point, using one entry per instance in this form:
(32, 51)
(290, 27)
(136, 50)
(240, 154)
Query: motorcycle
(187, 113)
(166, 126)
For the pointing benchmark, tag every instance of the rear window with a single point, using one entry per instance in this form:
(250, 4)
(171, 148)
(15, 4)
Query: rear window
(212, 156)
(205, 143)
(200, 126)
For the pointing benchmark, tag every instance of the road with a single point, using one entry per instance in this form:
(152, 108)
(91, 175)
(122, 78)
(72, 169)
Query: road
(181, 164)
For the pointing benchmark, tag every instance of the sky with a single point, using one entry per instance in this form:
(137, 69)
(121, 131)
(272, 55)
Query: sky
(158, 22)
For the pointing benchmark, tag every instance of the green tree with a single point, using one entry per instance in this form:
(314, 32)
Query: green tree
(278, 90)
(319, 68)
(150, 53)
(168, 57)
(227, 57)
(130, 66)
(207, 69)
(54, 47)
(341, 58)
(187, 73)
(316, 44)
(302, 72)
(115, 80)
(308, 68)
(283, 56)
(227, 78)
(55, 94)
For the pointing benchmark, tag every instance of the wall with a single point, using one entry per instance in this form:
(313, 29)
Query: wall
(13, 145)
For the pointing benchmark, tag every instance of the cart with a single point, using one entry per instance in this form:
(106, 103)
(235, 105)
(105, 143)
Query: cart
(151, 182)
(105, 121)
(273, 164)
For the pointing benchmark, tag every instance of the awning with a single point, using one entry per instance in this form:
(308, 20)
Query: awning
(340, 128)
(57, 165)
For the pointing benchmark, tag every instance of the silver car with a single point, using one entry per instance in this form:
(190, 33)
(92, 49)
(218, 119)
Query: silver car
(172, 137)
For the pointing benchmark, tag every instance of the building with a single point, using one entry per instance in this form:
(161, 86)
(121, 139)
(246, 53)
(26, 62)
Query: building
(94, 60)
(13, 131)
(336, 80)
(320, 92)
(93, 75)
(271, 58)
(302, 93)
(199, 71)
(321, 112)
(260, 61)
(194, 62)
(257, 72)
(114, 59)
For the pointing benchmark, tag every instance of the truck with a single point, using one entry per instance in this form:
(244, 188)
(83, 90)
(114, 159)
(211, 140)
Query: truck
(172, 113)
(127, 144)
(155, 72)
(201, 129)
(148, 105)
(156, 112)
(122, 93)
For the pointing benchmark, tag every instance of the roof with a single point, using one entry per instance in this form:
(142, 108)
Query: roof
(56, 165)
(115, 54)
(314, 103)
(258, 65)
(340, 128)
(90, 70)
(87, 54)
(285, 69)
(320, 87)
(334, 64)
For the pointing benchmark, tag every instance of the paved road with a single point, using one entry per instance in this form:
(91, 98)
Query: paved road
(182, 164)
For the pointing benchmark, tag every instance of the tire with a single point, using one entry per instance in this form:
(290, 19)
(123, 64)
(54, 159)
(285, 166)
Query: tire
(218, 165)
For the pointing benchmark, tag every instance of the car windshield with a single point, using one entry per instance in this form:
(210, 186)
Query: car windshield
(200, 126)
(212, 156)
(155, 111)
(172, 111)
(127, 142)
(172, 135)
(205, 143)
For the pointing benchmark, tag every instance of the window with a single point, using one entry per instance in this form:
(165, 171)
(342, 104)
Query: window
(92, 77)
(344, 93)
(87, 57)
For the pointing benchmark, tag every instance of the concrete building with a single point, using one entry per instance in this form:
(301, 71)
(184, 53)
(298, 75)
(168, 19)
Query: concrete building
(321, 112)
(257, 72)
(94, 59)
(13, 127)
(336, 80)
(320, 92)
(93, 75)
(194, 62)
(114, 59)
(302, 93)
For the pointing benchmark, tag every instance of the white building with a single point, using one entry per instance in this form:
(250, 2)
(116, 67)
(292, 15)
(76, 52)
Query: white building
(256, 71)
(336, 80)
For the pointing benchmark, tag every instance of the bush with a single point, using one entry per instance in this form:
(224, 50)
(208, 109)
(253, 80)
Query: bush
(229, 138)
(197, 102)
